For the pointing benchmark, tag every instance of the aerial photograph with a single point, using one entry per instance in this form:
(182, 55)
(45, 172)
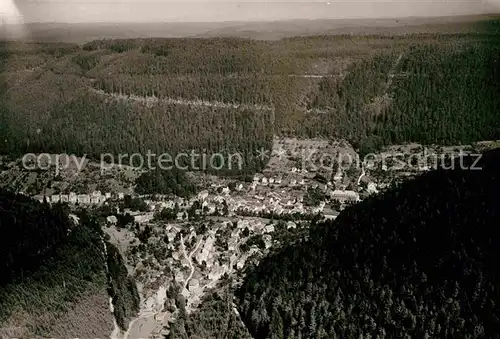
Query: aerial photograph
(249, 170)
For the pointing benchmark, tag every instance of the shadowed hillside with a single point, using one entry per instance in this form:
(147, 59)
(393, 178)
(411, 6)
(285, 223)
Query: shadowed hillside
(56, 272)
(420, 261)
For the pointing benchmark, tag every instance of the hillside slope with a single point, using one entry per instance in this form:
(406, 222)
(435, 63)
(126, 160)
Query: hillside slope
(420, 261)
(232, 95)
(58, 275)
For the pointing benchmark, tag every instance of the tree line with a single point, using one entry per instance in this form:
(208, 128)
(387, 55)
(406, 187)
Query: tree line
(416, 261)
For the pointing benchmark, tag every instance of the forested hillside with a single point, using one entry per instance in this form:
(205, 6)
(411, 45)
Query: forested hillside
(31, 231)
(419, 261)
(215, 319)
(55, 272)
(233, 94)
(445, 95)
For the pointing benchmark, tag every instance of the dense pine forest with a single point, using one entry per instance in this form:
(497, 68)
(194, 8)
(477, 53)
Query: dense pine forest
(234, 94)
(437, 114)
(173, 182)
(418, 261)
(214, 319)
(31, 231)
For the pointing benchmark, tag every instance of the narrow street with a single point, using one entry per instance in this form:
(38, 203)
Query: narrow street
(188, 257)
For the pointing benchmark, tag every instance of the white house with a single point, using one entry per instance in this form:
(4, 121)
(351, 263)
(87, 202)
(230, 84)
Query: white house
(167, 204)
(330, 217)
(344, 196)
(73, 198)
(372, 188)
(218, 199)
(242, 223)
(216, 272)
(83, 199)
(278, 210)
(269, 228)
(111, 220)
(338, 176)
(203, 195)
(171, 236)
(193, 283)
(241, 263)
(268, 240)
(75, 219)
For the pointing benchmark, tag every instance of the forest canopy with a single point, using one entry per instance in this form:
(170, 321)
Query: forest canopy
(418, 261)
(231, 94)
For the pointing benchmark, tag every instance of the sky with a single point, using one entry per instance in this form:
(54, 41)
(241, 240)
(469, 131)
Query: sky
(88, 11)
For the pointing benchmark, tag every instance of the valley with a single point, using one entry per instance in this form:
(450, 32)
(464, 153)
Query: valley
(306, 174)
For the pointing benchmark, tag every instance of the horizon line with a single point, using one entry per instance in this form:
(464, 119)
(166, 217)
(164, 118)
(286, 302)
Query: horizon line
(256, 21)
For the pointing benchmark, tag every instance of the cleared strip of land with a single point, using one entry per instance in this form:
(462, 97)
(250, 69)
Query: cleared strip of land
(154, 99)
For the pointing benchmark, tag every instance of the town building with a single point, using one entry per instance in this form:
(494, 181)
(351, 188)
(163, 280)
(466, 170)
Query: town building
(344, 196)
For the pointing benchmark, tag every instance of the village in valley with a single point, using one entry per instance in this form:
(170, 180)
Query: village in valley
(177, 246)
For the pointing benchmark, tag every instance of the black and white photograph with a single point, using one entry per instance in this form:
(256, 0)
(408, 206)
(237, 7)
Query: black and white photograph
(249, 170)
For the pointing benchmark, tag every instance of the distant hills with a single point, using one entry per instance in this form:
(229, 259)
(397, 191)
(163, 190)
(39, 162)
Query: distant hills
(233, 94)
(271, 30)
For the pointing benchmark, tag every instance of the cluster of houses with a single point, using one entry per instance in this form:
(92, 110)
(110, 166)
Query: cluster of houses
(95, 198)
(344, 196)
(285, 201)
(284, 198)
(254, 202)
(340, 195)
(270, 202)
(214, 262)
(259, 180)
